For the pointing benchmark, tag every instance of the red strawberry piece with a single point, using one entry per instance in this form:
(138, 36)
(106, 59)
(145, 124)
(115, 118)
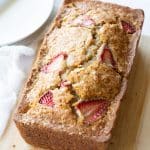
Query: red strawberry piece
(107, 57)
(47, 99)
(54, 64)
(65, 83)
(93, 110)
(128, 27)
(84, 21)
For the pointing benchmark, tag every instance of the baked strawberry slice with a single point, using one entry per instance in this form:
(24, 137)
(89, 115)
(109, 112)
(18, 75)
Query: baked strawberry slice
(127, 27)
(56, 64)
(87, 21)
(92, 110)
(107, 57)
(84, 21)
(47, 99)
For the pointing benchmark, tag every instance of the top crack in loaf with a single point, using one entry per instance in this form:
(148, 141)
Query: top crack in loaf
(79, 76)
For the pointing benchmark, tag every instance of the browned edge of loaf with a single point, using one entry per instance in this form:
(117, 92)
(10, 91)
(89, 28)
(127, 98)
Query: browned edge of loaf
(56, 139)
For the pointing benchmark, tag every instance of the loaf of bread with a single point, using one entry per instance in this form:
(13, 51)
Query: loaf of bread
(79, 76)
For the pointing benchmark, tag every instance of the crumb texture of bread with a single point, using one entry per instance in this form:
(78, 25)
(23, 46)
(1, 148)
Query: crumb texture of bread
(79, 76)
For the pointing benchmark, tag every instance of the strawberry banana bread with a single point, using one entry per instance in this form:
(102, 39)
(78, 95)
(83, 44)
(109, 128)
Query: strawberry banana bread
(79, 77)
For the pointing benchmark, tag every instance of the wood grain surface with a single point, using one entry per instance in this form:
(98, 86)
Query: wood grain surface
(132, 130)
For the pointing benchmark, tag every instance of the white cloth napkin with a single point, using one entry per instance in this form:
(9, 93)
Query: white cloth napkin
(15, 62)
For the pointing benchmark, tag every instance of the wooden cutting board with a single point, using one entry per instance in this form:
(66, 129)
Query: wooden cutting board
(132, 130)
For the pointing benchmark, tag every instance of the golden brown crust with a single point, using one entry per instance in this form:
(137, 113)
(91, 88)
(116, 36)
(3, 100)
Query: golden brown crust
(93, 82)
(38, 132)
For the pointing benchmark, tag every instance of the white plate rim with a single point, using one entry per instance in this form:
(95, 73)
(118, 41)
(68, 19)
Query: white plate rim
(10, 42)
